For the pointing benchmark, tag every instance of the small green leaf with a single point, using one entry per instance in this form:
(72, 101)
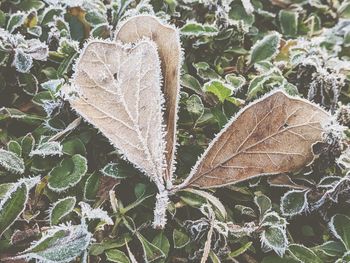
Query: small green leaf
(14, 147)
(241, 250)
(331, 248)
(196, 29)
(15, 21)
(288, 22)
(4, 188)
(12, 205)
(275, 238)
(61, 208)
(265, 48)
(191, 83)
(116, 255)
(112, 170)
(180, 239)
(150, 251)
(11, 162)
(294, 202)
(162, 242)
(73, 146)
(340, 227)
(303, 254)
(27, 144)
(194, 106)
(68, 173)
(91, 186)
(263, 203)
(220, 89)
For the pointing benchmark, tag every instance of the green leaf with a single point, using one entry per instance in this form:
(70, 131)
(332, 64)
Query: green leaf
(162, 242)
(263, 203)
(265, 48)
(220, 89)
(61, 208)
(91, 186)
(303, 254)
(74, 146)
(180, 238)
(15, 21)
(194, 106)
(294, 202)
(196, 198)
(12, 205)
(288, 22)
(11, 162)
(241, 250)
(150, 251)
(68, 173)
(49, 148)
(112, 170)
(27, 5)
(275, 238)
(331, 249)
(235, 81)
(98, 248)
(340, 227)
(196, 29)
(191, 83)
(344, 9)
(27, 144)
(116, 255)
(14, 147)
(61, 244)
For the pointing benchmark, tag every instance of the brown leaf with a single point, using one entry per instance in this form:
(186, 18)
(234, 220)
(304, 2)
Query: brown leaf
(169, 48)
(118, 91)
(271, 136)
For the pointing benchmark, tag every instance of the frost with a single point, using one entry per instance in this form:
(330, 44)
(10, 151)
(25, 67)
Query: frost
(22, 61)
(11, 162)
(52, 84)
(94, 213)
(60, 244)
(160, 209)
(49, 148)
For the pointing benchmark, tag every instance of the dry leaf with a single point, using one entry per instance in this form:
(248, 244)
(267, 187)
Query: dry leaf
(271, 136)
(118, 91)
(169, 48)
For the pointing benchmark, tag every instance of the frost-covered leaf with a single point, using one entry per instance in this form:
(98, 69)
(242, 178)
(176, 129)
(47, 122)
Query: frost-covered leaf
(288, 22)
(13, 204)
(94, 213)
(240, 250)
(122, 98)
(340, 226)
(294, 202)
(197, 29)
(15, 21)
(151, 253)
(68, 173)
(37, 50)
(275, 238)
(61, 208)
(263, 203)
(265, 48)
(303, 254)
(115, 255)
(331, 248)
(14, 147)
(11, 162)
(278, 135)
(112, 170)
(195, 107)
(48, 148)
(4, 188)
(61, 244)
(180, 238)
(167, 40)
(22, 61)
(52, 84)
(214, 201)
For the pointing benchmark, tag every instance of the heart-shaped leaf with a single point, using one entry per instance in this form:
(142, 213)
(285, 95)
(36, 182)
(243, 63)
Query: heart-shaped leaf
(118, 91)
(167, 39)
(271, 136)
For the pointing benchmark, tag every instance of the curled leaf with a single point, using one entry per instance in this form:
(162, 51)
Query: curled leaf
(274, 135)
